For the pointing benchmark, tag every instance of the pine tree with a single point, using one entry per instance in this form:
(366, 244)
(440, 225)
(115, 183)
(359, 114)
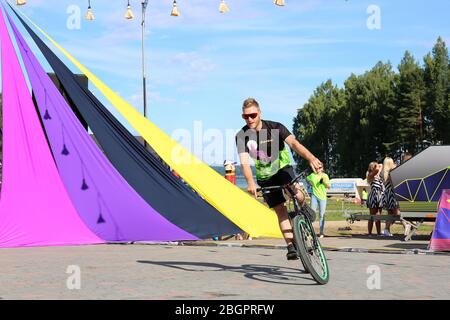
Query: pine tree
(369, 121)
(378, 114)
(410, 100)
(437, 111)
(316, 128)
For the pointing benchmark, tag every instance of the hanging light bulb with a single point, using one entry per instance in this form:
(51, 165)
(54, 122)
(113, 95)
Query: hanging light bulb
(89, 14)
(175, 11)
(21, 2)
(223, 8)
(279, 2)
(129, 14)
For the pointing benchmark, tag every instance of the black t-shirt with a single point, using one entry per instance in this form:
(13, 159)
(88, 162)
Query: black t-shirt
(266, 147)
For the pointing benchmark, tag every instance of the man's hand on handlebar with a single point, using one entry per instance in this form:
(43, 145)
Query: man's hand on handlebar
(315, 165)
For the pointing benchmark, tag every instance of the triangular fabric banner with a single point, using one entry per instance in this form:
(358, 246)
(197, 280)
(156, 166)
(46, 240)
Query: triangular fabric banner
(433, 182)
(126, 216)
(35, 209)
(250, 215)
(143, 171)
(413, 186)
(440, 240)
(402, 192)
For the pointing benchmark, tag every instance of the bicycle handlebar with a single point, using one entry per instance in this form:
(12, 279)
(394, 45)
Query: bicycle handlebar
(298, 177)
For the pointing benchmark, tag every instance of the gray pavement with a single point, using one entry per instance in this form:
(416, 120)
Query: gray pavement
(358, 243)
(214, 272)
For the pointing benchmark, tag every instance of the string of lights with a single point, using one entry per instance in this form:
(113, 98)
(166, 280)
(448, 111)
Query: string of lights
(223, 8)
(129, 15)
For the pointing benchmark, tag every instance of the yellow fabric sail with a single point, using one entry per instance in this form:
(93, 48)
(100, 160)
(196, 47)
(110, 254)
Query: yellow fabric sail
(247, 213)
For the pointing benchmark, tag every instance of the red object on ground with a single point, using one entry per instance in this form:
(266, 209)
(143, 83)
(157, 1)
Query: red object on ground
(175, 174)
(231, 177)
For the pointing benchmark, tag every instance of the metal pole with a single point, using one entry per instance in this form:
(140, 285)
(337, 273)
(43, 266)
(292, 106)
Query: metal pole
(144, 76)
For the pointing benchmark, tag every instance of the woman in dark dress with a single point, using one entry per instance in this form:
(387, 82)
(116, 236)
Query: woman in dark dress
(375, 198)
(390, 203)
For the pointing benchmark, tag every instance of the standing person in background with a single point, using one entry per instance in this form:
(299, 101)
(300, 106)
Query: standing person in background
(319, 182)
(364, 195)
(405, 157)
(390, 203)
(230, 171)
(375, 198)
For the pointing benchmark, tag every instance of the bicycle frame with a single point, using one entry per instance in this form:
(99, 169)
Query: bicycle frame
(307, 242)
(290, 188)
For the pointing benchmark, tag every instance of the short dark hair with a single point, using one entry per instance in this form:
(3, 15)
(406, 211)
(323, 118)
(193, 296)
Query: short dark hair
(250, 102)
(405, 157)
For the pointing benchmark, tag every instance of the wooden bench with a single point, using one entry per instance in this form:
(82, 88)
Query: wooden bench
(413, 219)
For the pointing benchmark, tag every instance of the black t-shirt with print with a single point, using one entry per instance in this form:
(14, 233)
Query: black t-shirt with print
(266, 147)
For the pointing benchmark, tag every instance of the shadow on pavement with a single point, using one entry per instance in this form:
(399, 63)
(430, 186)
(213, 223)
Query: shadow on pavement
(272, 274)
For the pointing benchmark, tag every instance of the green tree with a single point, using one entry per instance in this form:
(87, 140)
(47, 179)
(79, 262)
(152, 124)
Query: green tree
(315, 125)
(410, 99)
(437, 111)
(368, 120)
(380, 113)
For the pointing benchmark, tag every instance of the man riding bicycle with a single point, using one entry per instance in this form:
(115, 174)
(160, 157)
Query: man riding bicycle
(263, 141)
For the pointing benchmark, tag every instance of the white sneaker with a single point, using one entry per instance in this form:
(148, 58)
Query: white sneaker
(387, 233)
(321, 236)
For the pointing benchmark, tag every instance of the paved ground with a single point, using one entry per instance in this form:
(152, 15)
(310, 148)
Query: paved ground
(212, 272)
(362, 243)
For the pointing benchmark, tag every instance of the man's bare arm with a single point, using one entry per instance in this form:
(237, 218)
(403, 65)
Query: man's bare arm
(247, 172)
(304, 153)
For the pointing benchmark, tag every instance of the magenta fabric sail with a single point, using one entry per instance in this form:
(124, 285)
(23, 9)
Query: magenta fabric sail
(35, 209)
(107, 204)
(440, 241)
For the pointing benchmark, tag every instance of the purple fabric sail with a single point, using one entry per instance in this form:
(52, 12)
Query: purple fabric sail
(440, 241)
(35, 209)
(107, 204)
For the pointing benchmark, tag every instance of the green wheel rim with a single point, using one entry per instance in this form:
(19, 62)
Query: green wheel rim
(305, 226)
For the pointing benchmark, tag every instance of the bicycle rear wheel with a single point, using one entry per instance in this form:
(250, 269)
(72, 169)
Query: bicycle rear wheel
(309, 249)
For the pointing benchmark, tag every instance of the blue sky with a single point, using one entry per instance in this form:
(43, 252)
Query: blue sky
(203, 64)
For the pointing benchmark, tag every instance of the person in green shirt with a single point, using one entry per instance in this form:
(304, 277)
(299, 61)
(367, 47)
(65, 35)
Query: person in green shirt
(364, 197)
(319, 182)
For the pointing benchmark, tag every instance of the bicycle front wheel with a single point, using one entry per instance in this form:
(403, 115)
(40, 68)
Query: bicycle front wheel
(310, 250)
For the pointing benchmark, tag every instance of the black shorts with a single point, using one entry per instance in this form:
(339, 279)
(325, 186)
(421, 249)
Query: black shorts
(283, 176)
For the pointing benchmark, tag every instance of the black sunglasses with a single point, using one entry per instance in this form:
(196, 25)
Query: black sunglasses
(250, 115)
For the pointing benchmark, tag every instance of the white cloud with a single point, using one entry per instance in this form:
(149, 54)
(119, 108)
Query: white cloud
(193, 62)
(137, 99)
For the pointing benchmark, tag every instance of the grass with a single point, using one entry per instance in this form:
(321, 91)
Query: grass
(337, 208)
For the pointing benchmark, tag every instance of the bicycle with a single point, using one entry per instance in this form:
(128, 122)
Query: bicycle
(305, 239)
